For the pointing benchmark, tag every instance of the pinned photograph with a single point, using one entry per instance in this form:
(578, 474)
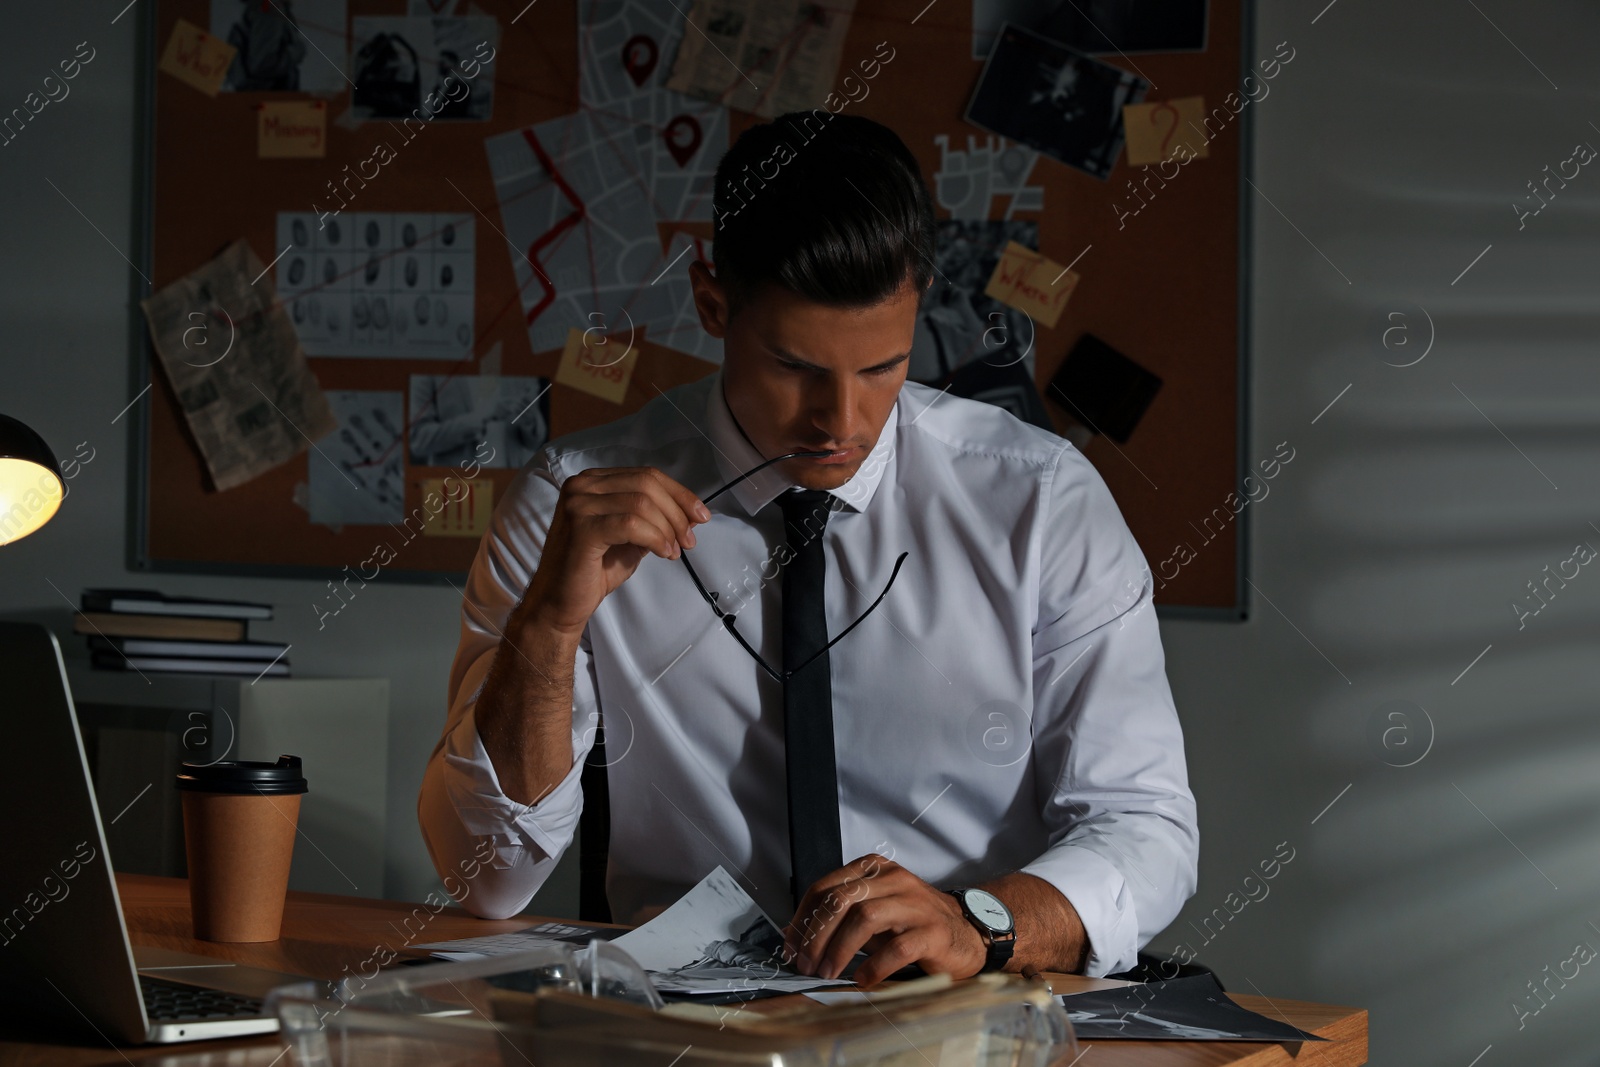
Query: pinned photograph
(1123, 26)
(959, 321)
(356, 474)
(1064, 103)
(287, 46)
(431, 69)
(487, 419)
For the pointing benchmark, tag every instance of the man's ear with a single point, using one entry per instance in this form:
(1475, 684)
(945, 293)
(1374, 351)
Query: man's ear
(710, 300)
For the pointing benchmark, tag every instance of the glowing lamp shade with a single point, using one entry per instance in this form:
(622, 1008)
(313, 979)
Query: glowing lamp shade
(30, 481)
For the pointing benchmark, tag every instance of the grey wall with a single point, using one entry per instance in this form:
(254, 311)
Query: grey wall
(65, 302)
(1389, 553)
(1386, 557)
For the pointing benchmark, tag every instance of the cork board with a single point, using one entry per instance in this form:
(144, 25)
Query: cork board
(1162, 286)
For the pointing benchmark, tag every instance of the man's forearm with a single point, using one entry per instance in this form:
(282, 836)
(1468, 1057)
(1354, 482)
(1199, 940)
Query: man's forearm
(524, 713)
(1050, 936)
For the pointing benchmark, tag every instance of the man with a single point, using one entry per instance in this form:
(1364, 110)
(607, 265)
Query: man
(999, 721)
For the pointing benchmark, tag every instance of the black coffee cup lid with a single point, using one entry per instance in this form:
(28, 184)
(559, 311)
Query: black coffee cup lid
(244, 777)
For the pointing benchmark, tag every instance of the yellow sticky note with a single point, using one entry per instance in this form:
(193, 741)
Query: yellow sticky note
(1031, 282)
(463, 506)
(292, 129)
(196, 57)
(599, 365)
(1154, 131)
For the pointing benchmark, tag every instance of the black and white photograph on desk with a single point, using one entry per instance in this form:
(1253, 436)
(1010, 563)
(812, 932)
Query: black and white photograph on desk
(428, 69)
(1194, 1008)
(284, 46)
(1068, 105)
(488, 419)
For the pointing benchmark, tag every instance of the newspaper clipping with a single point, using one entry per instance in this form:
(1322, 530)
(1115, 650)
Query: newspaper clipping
(770, 58)
(237, 367)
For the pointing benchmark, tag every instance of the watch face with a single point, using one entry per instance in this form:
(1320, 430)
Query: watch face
(986, 907)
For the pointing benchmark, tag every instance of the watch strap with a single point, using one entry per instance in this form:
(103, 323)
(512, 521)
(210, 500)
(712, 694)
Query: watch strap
(998, 948)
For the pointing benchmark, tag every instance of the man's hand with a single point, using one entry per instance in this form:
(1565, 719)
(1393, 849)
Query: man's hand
(604, 524)
(606, 521)
(875, 904)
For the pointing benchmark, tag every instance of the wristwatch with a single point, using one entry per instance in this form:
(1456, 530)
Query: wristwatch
(993, 920)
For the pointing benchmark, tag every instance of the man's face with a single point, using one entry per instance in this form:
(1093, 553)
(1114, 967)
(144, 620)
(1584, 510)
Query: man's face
(801, 377)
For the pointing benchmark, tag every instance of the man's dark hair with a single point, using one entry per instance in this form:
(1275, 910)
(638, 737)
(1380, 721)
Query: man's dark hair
(831, 207)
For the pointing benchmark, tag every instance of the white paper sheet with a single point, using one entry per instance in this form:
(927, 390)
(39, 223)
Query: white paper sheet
(384, 285)
(580, 195)
(356, 473)
(715, 939)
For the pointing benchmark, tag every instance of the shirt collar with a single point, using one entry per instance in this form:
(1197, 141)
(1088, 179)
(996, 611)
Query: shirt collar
(735, 455)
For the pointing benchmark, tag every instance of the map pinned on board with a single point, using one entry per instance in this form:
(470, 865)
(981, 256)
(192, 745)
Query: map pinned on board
(622, 92)
(683, 137)
(967, 182)
(582, 234)
(639, 56)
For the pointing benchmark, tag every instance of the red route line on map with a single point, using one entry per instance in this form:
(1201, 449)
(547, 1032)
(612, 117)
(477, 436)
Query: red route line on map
(609, 140)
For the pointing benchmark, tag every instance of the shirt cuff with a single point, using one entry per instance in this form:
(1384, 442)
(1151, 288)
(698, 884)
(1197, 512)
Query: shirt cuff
(1099, 893)
(485, 810)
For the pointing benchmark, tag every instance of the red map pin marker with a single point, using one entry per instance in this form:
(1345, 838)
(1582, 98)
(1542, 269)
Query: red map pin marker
(683, 138)
(639, 57)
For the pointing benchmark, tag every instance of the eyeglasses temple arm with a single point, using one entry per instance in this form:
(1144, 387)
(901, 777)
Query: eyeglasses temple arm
(727, 619)
(892, 576)
(758, 469)
(684, 556)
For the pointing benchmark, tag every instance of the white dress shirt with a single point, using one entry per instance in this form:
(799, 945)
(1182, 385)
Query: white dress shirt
(1005, 708)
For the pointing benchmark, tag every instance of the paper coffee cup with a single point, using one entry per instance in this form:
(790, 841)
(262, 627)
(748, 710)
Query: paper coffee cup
(238, 832)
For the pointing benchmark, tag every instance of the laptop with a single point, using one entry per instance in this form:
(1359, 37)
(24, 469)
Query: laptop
(65, 958)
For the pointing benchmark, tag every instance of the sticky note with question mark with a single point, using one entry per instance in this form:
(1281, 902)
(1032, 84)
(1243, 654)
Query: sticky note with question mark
(1155, 130)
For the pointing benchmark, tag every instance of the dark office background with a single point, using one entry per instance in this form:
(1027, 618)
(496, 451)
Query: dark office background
(1388, 556)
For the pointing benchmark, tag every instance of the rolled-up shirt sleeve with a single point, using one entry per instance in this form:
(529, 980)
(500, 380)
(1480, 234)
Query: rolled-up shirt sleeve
(1108, 747)
(463, 812)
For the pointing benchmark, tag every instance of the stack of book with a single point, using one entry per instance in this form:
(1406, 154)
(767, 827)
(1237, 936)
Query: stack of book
(139, 629)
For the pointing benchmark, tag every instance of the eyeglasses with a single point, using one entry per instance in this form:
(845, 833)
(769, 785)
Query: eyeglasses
(728, 618)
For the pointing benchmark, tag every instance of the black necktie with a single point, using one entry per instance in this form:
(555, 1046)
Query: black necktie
(814, 847)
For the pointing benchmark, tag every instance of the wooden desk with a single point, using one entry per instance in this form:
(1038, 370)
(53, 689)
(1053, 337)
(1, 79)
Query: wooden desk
(323, 934)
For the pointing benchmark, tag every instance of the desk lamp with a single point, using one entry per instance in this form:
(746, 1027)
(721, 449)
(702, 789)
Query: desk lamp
(31, 488)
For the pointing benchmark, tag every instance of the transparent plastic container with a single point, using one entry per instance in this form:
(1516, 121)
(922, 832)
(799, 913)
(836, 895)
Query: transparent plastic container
(576, 1007)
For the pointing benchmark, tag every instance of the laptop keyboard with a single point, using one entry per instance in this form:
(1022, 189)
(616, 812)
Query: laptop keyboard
(165, 1000)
